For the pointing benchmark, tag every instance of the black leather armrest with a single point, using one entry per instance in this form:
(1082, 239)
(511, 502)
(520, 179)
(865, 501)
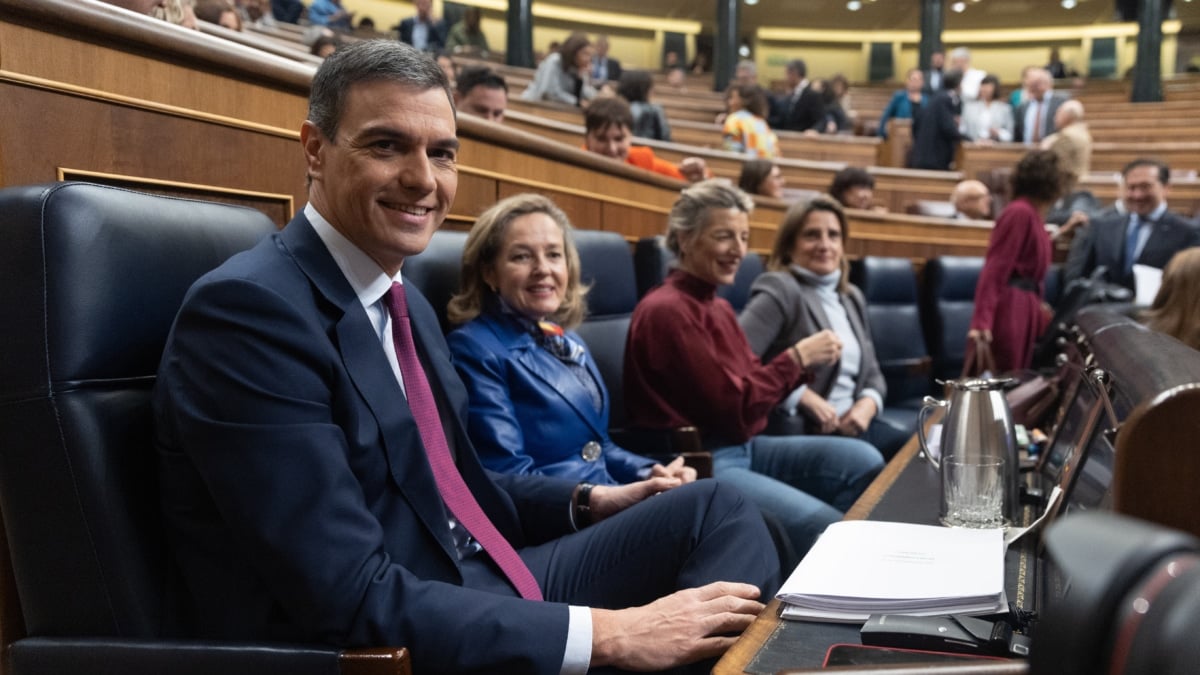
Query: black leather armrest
(62, 655)
(664, 445)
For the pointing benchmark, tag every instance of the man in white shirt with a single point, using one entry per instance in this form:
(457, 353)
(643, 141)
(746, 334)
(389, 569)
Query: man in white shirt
(960, 60)
(1034, 118)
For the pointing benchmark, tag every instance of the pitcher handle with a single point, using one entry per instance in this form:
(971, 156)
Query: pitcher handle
(930, 404)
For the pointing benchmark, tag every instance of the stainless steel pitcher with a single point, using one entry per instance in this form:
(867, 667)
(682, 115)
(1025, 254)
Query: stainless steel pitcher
(978, 424)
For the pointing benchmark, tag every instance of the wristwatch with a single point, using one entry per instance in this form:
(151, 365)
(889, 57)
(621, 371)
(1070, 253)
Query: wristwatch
(583, 505)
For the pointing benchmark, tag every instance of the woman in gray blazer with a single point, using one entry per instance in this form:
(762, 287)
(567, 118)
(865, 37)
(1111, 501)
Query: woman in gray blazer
(804, 291)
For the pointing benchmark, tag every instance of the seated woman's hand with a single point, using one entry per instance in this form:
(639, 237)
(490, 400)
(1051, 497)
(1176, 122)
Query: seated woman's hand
(609, 500)
(676, 469)
(819, 410)
(819, 348)
(857, 418)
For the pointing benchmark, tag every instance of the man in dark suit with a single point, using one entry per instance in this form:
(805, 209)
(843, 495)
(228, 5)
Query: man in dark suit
(423, 31)
(802, 108)
(935, 127)
(317, 481)
(604, 68)
(1147, 234)
(1033, 119)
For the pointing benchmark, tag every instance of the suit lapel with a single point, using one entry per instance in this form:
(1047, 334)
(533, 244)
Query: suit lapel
(368, 369)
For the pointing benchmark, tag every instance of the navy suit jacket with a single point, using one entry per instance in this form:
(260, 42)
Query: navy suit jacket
(437, 33)
(297, 498)
(1103, 243)
(528, 412)
(935, 133)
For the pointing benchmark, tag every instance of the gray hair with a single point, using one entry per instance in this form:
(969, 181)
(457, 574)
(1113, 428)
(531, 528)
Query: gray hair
(370, 60)
(690, 214)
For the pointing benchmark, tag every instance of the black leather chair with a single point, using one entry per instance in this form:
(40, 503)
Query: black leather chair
(435, 272)
(889, 286)
(946, 307)
(606, 266)
(652, 263)
(92, 279)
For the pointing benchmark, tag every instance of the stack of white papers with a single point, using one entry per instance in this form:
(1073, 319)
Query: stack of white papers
(863, 567)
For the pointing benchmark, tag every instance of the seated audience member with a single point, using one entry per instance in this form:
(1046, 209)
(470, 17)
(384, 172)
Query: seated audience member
(839, 116)
(745, 129)
(564, 75)
(604, 67)
(537, 400)
(313, 455)
(1176, 308)
(806, 291)
(989, 117)
(220, 12)
(935, 129)
(447, 65)
(972, 200)
(330, 13)
(677, 80)
(687, 363)
(761, 177)
(324, 46)
(423, 30)
(179, 12)
(905, 101)
(649, 120)
(481, 92)
(1147, 234)
(803, 106)
(854, 188)
(466, 36)
(608, 123)
(1009, 313)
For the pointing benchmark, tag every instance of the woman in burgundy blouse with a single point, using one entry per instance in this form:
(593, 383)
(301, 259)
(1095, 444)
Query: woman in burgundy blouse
(1009, 312)
(687, 362)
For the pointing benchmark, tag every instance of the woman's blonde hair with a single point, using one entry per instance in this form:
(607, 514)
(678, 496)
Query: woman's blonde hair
(483, 247)
(691, 212)
(793, 222)
(1176, 309)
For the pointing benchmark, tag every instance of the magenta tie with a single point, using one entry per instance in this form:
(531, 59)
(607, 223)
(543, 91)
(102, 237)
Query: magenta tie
(449, 481)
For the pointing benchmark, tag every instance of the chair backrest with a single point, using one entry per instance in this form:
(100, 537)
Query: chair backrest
(436, 271)
(889, 286)
(946, 309)
(652, 262)
(93, 278)
(606, 265)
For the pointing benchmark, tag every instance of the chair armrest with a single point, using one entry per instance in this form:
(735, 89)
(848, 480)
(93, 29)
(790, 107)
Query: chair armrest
(60, 655)
(922, 365)
(664, 445)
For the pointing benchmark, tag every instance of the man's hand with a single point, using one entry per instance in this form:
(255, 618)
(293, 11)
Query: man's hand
(675, 469)
(683, 627)
(609, 500)
(819, 410)
(858, 417)
(693, 169)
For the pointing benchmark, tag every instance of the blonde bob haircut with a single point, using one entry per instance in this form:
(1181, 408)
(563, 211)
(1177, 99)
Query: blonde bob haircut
(484, 244)
(1176, 309)
(793, 223)
(691, 214)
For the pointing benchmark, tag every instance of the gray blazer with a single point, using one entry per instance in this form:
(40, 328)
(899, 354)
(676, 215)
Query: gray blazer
(783, 309)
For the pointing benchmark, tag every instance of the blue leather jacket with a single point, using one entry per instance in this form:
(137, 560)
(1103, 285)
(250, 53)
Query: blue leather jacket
(528, 411)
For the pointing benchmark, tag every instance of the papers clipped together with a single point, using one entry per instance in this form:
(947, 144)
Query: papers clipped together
(863, 567)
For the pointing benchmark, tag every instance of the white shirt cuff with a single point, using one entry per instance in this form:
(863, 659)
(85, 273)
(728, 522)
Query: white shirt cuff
(578, 654)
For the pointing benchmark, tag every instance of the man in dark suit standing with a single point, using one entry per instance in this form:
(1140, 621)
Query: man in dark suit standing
(935, 127)
(802, 108)
(318, 483)
(1033, 119)
(604, 68)
(1146, 234)
(423, 31)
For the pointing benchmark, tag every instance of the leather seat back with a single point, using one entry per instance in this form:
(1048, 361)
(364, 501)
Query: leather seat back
(94, 276)
(436, 271)
(889, 286)
(947, 306)
(606, 265)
